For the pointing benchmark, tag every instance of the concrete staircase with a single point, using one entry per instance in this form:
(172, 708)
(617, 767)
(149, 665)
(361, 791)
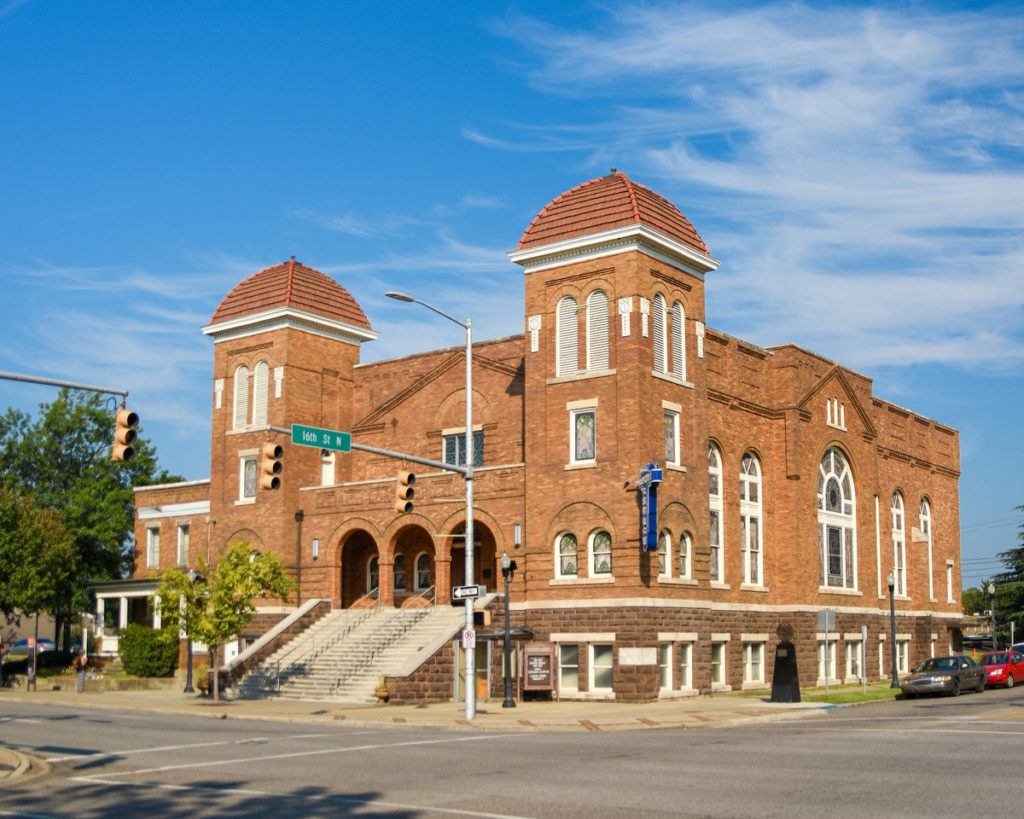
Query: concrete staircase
(341, 657)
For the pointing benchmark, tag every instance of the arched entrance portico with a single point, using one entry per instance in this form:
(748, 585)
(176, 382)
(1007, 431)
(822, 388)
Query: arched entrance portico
(360, 567)
(413, 568)
(483, 556)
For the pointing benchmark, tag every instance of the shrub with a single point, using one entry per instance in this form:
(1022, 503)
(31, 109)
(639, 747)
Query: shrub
(148, 652)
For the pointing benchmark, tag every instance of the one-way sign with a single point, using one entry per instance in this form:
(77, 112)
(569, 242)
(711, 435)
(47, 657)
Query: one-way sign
(464, 592)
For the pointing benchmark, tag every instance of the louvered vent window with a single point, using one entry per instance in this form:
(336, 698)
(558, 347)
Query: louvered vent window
(678, 341)
(597, 331)
(567, 338)
(241, 413)
(658, 314)
(260, 386)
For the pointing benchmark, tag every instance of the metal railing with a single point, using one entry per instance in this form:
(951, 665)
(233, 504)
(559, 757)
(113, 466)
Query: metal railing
(380, 641)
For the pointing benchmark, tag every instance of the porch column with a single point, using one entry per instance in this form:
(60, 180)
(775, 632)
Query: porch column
(443, 581)
(123, 618)
(100, 622)
(387, 583)
(156, 611)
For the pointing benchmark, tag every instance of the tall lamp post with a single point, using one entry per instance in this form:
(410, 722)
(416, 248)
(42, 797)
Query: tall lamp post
(470, 656)
(193, 577)
(992, 612)
(892, 631)
(508, 568)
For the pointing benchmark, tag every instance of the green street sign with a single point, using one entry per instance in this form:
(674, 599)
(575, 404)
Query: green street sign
(321, 438)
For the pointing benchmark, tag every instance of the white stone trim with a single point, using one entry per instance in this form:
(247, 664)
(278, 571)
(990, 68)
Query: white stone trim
(174, 510)
(533, 324)
(753, 638)
(625, 308)
(218, 393)
(288, 317)
(582, 637)
(671, 405)
(171, 485)
(278, 378)
(677, 636)
(583, 375)
(720, 636)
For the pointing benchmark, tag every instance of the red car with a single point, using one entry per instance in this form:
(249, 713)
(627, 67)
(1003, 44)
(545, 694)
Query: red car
(1003, 668)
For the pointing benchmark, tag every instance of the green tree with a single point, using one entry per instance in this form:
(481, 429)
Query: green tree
(37, 555)
(215, 606)
(1010, 583)
(974, 601)
(61, 458)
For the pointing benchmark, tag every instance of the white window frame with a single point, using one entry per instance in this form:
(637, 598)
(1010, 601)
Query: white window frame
(719, 663)
(457, 436)
(685, 556)
(686, 666)
(153, 547)
(260, 393)
(831, 643)
(369, 573)
(665, 667)
(751, 510)
(567, 341)
(562, 666)
(592, 557)
(559, 574)
(902, 655)
(327, 462)
(404, 574)
(753, 663)
(925, 522)
(670, 415)
(416, 571)
(597, 331)
(854, 658)
(716, 566)
(678, 340)
(184, 539)
(949, 582)
(659, 349)
(592, 649)
(899, 544)
(243, 497)
(845, 522)
(665, 554)
(240, 404)
(575, 412)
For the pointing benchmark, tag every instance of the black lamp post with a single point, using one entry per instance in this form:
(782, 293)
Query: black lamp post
(193, 577)
(508, 568)
(892, 632)
(992, 612)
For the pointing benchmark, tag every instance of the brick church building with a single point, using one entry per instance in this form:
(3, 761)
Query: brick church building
(787, 487)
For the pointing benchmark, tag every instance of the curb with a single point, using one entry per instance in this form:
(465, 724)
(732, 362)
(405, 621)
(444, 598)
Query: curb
(25, 765)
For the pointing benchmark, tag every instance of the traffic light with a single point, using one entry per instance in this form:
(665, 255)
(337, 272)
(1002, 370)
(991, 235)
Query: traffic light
(271, 467)
(125, 433)
(404, 493)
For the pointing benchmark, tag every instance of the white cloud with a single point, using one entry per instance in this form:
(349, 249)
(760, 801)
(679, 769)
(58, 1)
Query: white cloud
(858, 172)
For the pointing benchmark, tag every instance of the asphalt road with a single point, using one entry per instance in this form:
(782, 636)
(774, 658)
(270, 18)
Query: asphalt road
(933, 757)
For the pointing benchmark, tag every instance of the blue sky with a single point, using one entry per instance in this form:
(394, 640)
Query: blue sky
(858, 170)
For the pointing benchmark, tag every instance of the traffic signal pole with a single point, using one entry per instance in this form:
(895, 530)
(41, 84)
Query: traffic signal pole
(54, 382)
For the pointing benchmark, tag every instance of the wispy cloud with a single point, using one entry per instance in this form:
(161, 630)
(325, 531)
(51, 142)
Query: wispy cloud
(353, 224)
(11, 5)
(858, 172)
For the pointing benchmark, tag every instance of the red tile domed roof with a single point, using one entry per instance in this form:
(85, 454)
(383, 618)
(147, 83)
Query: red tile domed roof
(606, 203)
(291, 284)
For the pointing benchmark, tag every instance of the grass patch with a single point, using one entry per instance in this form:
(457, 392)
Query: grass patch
(838, 694)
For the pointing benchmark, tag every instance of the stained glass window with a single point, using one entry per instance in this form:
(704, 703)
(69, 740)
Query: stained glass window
(567, 555)
(585, 435)
(837, 521)
(602, 553)
(670, 422)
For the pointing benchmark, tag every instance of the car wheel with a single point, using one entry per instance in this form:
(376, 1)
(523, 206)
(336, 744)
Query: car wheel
(1009, 681)
(956, 689)
(981, 685)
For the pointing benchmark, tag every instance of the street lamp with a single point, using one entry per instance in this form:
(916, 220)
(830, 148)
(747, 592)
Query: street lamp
(467, 325)
(508, 568)
(992, 612)
(892, 631)
(193, 577)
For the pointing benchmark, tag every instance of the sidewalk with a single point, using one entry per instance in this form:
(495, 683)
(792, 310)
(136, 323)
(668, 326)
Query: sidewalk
(678, 714)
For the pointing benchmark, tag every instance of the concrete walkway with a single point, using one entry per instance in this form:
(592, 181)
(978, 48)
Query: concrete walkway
(684, 713)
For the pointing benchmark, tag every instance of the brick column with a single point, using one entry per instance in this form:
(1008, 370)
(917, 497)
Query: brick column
(387, 583)
(443, 581)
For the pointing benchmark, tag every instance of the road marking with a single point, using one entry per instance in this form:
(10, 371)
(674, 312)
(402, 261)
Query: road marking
(294, 754)
(380, 803)
(930, 731)
(161, 748)
(26, 815)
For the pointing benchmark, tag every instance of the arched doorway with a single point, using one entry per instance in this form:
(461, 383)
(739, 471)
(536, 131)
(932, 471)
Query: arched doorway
(484, 566)
(413, 572)
(360, 567)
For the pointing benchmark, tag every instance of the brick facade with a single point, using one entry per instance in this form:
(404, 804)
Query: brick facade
(786, 407)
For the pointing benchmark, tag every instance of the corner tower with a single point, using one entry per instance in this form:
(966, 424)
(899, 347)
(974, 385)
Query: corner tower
(614, 380)
(285, 343)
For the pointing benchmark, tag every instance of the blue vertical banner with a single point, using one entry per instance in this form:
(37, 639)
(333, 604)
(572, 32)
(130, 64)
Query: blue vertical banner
(647, 483)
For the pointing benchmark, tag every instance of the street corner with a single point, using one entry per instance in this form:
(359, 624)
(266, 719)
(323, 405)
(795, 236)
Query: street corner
(16, 766)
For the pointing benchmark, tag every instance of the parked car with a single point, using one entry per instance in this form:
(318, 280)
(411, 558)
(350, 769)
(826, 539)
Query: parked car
(944, 675)
(22, 646)
(1003, 667)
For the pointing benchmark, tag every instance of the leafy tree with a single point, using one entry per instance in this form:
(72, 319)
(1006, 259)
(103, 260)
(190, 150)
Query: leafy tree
(61, 458)
(1010, 583)
(214, 606)
(37, 555)
(974, 600)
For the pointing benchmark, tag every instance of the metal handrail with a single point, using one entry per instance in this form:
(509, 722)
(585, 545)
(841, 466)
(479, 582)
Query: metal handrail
(313, 651)
(380, 645)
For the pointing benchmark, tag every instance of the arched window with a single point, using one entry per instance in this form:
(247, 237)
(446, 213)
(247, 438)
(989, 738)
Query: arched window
(665, 553)
(240, 416)
(423, 574)
(600, 554)
(597, 331)
(658, 313)
(925, 523)
(751, 534)
(685, 548)
(837, 522)
(400, 573)
(260, 383)
(567, 338)
(899, 545)
(715, 531)
(372, 574)
(678, 341)
(566, 555)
